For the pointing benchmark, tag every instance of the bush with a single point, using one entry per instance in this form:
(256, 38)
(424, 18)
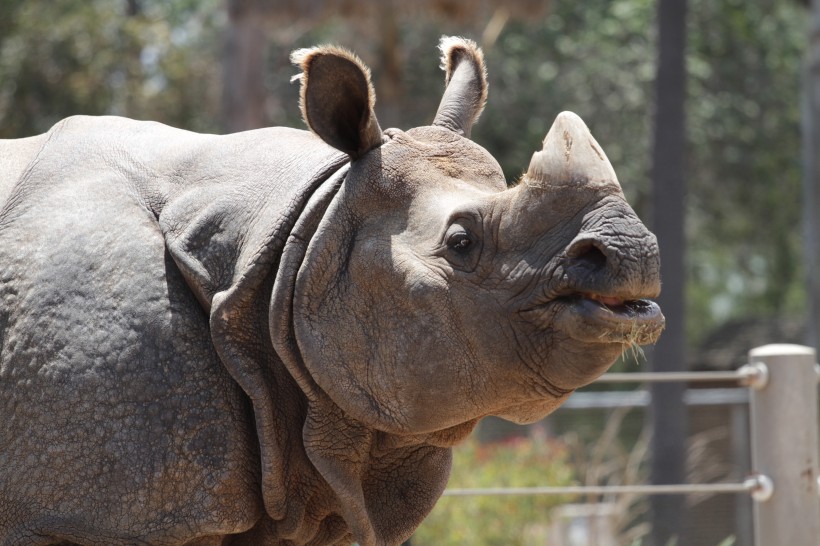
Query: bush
(497, 520)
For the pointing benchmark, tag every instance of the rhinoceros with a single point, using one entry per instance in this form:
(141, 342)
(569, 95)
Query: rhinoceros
(275, 337)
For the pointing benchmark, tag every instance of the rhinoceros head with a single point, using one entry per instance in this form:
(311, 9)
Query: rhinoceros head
(434, 294)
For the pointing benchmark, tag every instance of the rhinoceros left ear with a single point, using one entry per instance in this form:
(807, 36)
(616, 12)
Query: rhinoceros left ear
(466, 81)
(337, 99)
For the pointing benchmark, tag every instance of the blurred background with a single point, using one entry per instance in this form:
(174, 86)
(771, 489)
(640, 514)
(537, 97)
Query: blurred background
(700, 106)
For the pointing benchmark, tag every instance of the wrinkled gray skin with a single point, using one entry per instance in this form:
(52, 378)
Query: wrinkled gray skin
(275, 337)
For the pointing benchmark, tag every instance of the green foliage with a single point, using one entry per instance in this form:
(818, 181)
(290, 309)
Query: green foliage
(497, 520)
(67, 57)
(744, 169)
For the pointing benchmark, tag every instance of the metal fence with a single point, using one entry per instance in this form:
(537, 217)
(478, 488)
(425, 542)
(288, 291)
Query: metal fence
(781, 390)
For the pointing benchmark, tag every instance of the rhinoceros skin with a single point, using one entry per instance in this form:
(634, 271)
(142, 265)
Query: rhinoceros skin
(275, 337)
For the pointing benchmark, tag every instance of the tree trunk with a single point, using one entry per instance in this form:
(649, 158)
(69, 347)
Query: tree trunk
(810, 114)
(390, 84)
(668, 413)
(243, 95)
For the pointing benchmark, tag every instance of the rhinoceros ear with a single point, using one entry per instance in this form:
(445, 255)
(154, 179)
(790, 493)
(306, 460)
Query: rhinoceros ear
(337, 99)
(466, 80)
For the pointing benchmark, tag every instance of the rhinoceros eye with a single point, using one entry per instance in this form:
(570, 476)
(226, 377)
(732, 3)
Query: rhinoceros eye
(459, 241)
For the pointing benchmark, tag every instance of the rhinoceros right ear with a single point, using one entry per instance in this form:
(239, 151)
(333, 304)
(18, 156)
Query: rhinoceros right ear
(466, 80)
(337, 99)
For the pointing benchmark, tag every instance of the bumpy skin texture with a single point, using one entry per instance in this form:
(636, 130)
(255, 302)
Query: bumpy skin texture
(120, 421)
(275, 337)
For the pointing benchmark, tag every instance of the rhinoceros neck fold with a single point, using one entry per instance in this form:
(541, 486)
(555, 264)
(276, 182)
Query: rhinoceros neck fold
(361, 467)
(249, 325)
(281, 314)
(233, 239)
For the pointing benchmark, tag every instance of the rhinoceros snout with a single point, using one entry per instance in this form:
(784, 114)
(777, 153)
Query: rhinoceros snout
(616, 269)
(609, 275)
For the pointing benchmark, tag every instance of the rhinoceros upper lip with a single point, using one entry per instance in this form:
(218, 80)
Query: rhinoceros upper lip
(596, 317)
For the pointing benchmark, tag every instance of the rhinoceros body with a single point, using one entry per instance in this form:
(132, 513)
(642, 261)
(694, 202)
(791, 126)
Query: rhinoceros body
(275, 337)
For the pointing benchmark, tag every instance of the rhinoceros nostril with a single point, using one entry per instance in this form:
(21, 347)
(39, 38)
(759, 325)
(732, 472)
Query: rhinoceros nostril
(588, 253)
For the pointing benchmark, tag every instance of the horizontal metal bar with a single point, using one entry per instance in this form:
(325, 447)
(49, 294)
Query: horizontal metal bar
(642, 398)
(716, 397)
(607, 400)
(662, 377)
(748, 486)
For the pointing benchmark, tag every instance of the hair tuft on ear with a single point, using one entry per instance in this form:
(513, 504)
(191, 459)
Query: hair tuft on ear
(452, 47)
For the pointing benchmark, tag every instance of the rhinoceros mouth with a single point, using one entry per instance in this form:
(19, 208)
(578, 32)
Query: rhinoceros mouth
(599, 318)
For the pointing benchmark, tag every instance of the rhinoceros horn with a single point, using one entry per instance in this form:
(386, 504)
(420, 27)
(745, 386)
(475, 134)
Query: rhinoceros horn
(571, 156)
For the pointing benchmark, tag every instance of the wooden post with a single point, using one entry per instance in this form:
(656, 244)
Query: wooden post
(784, 445)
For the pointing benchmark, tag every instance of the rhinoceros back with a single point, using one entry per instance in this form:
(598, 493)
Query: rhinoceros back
(115, 405)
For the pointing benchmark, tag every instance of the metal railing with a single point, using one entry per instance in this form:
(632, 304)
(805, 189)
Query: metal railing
(642, 398)
(783, 401)
(751, 485)
(743, 376)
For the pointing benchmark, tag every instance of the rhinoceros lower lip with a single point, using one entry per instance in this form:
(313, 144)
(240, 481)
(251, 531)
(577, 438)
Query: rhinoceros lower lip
(600, 318)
